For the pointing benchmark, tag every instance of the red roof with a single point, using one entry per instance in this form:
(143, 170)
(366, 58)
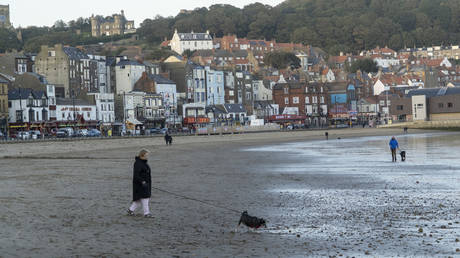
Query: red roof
(165, 43)
(339, 59)
(432, 62)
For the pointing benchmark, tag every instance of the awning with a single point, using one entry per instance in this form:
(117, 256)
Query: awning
(133, 121)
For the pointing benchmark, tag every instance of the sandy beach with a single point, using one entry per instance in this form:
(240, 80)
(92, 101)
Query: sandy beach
(68, 199)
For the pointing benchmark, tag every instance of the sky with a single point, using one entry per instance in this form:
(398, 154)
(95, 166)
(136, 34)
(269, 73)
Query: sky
(45, 12)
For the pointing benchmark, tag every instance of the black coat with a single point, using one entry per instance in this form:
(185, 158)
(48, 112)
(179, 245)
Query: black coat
(141, 173)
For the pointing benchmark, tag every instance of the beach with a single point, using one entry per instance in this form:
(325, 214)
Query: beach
(337, 198)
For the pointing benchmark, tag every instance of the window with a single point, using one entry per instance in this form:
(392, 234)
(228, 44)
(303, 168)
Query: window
(286, 90)
(307, 100)
(286, 101)
(450, 105)
(322, 99)
(306, 89)
(399, 107)
(440, 105)
(19, 116)
(295, 100)
(315, 99)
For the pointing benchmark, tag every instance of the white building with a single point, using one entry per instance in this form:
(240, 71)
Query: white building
(27, 106)
(105, 107)
(215, 87)
(191, 41)
(74, 109)
(127, 73)
(262, 92)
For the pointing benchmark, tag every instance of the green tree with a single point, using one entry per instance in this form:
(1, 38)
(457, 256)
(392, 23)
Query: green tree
(9, 41)
(365, 65)
(282, 60)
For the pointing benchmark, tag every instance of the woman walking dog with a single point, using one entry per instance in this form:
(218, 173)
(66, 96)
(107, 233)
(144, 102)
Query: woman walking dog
(142, 185)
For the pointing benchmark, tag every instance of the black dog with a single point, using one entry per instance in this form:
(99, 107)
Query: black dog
(403, 155)
(168, 139)
(250, 221)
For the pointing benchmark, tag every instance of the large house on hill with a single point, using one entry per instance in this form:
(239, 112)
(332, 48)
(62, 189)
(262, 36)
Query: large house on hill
(181, 42)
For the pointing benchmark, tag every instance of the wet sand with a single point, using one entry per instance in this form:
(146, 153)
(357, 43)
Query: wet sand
(61, 200)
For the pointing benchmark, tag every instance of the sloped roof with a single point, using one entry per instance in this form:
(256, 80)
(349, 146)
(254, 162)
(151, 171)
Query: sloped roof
(160, 79)
(69, 102)
(235, 108)
(129, 62)
(23, 93)
(74, 53)
(194, 36)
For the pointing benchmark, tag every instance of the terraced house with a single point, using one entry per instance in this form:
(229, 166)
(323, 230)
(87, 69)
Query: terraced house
(71, 71)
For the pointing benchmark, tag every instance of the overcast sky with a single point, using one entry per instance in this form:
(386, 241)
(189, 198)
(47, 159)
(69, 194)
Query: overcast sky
(45, 12)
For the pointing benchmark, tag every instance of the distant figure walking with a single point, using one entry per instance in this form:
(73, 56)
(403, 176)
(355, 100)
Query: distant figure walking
(168, 139)
(142, 185)
(394, 145)
(327, 135)
(405, 129)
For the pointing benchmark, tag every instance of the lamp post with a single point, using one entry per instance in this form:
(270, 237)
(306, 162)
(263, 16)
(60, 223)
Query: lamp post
(74, 114)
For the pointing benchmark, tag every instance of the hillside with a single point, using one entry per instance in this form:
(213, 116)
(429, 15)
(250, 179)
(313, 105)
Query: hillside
(334, 25)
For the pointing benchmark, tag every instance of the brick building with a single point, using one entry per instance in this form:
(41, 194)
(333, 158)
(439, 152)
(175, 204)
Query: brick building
(307, 100)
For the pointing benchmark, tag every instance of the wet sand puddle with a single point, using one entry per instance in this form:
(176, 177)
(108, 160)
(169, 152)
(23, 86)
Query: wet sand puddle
(349, 194)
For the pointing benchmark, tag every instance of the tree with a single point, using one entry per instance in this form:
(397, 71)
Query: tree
(188, 53)
(282, 60)
(9, 41)
(365, 65)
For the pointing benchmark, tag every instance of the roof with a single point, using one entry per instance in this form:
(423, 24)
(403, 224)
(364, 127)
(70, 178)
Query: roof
(69, 102)
(435, 92)
(129, 62)
(160, 79)
(24, 93)
(74, 53)
(194, 36)
(235, 108)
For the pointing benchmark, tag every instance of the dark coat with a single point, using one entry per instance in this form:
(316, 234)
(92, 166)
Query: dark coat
(141, 173)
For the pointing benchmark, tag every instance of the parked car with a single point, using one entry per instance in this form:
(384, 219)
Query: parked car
(164, 130)
(35, 134)
(154, 130)
(23, 135)
(69, 130)
(82, 133)
(94, 133)
(62, 133)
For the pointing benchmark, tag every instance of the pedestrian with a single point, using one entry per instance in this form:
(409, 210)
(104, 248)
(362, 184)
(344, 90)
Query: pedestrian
(393, 147)
(327, 135)
(142, 185)
(168, 139)
(405, 129)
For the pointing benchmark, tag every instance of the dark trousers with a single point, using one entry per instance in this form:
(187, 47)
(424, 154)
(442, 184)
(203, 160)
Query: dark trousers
(393, 155)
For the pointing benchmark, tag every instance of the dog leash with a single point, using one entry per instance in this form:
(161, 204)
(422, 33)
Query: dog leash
(196, 200)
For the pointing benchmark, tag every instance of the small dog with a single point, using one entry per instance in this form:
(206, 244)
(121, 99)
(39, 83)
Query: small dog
(403, 155)
(168, 139)
(251, 222)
